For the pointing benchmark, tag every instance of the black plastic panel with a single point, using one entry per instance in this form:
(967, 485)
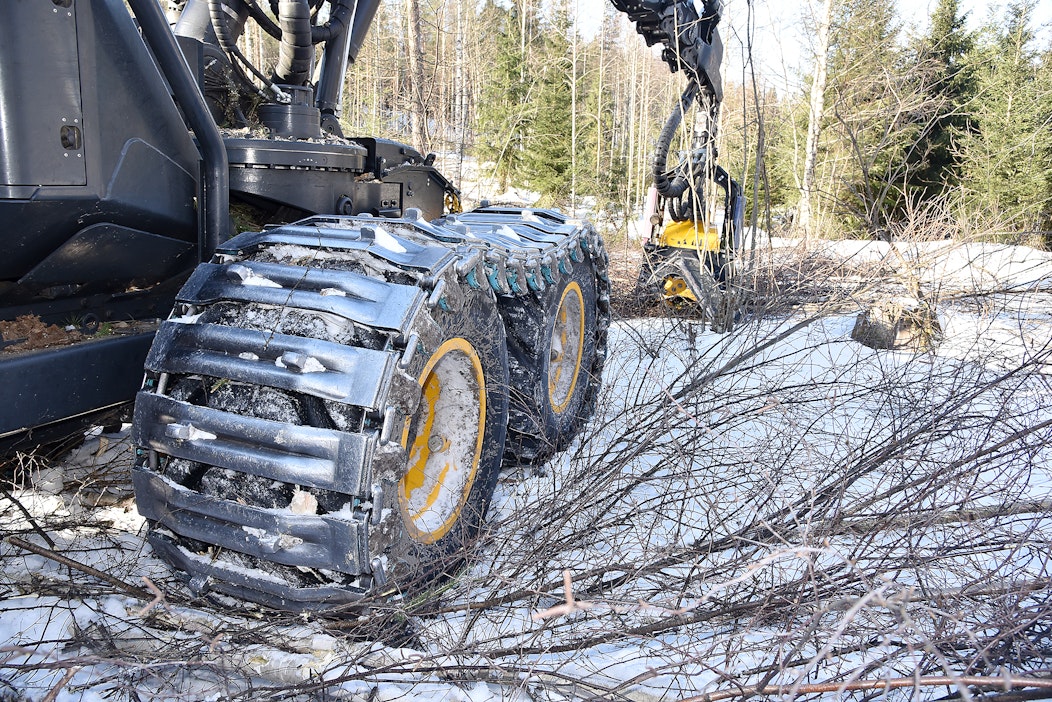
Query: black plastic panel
(109, 253)
(137, 164)
(41, 387)
(42, 123)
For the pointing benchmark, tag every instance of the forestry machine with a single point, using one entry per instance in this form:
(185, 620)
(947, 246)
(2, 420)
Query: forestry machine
(693, 253)
(330, 397)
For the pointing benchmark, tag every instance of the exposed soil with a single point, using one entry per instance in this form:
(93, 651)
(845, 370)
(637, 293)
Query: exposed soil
(28, 332)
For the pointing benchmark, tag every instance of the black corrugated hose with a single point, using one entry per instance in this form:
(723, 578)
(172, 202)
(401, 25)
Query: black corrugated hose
(339, 20)
(296, 52)
(676, 186)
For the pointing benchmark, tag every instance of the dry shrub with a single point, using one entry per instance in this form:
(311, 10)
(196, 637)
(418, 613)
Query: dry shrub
(774, 512)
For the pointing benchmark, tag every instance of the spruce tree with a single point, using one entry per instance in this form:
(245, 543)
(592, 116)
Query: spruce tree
(547, 158)
(870, 110)
(1007, 156)
(506, 112)
(949, 81)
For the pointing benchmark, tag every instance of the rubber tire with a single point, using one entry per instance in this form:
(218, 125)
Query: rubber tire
(410, 565)
(537, 429)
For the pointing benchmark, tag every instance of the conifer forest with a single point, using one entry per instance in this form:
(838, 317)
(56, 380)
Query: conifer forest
(946, 119)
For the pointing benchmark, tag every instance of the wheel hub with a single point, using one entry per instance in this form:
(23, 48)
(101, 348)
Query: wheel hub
(567, 346)
(444, 440)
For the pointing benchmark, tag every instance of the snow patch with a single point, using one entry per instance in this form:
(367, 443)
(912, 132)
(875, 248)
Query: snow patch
(297, 253)
(258, 281)
(303, 502)
(386, 240)
(186, 318)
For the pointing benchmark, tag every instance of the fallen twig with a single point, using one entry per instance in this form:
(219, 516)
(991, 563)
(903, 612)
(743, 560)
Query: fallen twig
(29, 517)
(53, 693)
(569, 606)
(76, 565)
(158, 598)
(1004, 683)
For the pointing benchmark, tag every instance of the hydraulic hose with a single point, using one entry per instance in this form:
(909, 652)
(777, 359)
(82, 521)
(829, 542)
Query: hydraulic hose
(263, 19)
(339, 20)
(227, 38)
(676, 186)
(296, 52)
(329, 86)
(217, 13)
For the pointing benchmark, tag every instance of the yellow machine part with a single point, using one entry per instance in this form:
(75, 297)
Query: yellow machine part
(677, 287)
(696, 236)
(690, 235)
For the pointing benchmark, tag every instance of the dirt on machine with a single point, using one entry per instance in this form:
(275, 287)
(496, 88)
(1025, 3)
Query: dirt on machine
(329, 398)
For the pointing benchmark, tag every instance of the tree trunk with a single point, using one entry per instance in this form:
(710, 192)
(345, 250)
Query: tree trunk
(417, 114)
(599, 104)
(460, 91)
(573, 113)
(804, 222)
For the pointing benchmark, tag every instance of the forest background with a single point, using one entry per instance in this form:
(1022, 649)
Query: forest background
(942, 122)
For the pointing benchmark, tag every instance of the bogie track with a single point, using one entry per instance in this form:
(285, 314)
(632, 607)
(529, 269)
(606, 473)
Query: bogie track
(325, 413)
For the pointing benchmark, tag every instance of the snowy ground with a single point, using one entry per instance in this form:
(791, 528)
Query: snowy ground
(776, 508)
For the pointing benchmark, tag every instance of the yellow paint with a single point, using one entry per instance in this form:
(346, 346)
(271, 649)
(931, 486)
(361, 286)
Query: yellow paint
(562, 332)
(423, 460)
(420, 452)
(677, 287)
(435, 492)
(690, 235)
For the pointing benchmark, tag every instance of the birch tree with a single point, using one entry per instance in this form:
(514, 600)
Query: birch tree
(804, 214)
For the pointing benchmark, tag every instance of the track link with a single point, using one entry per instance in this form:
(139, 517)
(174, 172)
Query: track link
(553, 254)
(286, 397)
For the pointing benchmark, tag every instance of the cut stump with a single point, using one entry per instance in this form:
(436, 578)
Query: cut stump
(900, 323)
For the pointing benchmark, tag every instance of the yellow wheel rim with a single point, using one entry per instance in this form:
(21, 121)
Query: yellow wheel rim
(564, 364)
(446, 432)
